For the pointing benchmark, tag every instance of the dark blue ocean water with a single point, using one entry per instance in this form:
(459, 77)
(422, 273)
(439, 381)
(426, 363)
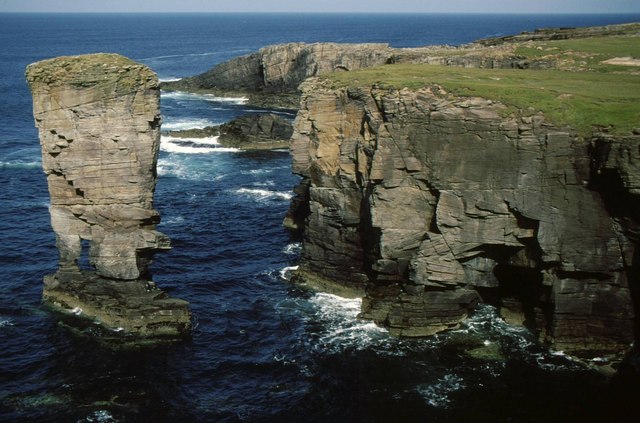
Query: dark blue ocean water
(262, 350)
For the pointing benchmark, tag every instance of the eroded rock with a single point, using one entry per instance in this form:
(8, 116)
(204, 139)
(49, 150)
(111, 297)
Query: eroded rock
(271, 75)
(99, 120)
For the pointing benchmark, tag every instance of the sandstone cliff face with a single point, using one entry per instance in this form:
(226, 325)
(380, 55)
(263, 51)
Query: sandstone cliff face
(428, 203)
(99, 124)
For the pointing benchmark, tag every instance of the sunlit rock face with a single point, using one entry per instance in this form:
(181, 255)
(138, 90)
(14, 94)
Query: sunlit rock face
(427, 203)
(98, 118)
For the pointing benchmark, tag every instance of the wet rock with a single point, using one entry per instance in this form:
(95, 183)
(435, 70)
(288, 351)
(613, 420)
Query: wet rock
(262, 131)
(259, 131)
(98, 118)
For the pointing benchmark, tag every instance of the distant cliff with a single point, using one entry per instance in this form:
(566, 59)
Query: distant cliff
(271, 75)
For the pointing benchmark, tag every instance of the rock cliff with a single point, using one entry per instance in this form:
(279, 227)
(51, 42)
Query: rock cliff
(426, 202)
(271, 75)
(99, 120)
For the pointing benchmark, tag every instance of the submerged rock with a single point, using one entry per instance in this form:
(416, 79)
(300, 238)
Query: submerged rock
(99, 120)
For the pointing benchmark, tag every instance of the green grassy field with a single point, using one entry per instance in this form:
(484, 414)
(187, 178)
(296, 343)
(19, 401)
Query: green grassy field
(608, 96)
(586, 53)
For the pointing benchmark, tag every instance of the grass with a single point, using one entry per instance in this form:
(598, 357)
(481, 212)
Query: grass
(579, 99)
(582, 92)
(585, 53)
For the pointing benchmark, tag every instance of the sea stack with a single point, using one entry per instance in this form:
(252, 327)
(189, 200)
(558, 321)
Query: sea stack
(98, 118)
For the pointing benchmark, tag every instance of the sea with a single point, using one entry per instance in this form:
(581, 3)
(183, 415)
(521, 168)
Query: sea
(262, 349)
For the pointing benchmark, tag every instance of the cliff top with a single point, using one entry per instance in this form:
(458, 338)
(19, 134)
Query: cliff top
(595, 81)
(89, 70)
(564, 33)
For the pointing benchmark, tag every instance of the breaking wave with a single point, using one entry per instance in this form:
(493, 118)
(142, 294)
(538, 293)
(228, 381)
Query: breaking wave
(293, 249)
(341, 327)
(173, 56)
(193, 145)
(20, 164)
(264, 194)
(183, 95)
(187, 123)
(169, 79)
(284, 272)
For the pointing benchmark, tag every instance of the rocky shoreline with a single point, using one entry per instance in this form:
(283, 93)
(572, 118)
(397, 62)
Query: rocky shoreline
(426, 202)
(424, 192)
(261, 131)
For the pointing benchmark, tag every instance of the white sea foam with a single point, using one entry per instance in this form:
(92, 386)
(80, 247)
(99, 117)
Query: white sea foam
(486, 322)
(186, 96)
(187, 123)
(263, 170)
(100, 416)
(284, 273)
(5, 322)
(192, 145)
(173, 220)
(438, 394)
(267, 183)
(182, 167)
(20, 164)
(293, 249)
(264, 194)
(169, 79)
(343, 329)
(172, 56)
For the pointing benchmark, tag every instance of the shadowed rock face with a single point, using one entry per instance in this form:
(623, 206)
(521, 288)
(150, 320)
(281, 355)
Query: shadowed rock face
(98, 118)
(427, 203)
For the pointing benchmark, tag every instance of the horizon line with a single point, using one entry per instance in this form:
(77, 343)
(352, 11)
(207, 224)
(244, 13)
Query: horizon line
(305, 13)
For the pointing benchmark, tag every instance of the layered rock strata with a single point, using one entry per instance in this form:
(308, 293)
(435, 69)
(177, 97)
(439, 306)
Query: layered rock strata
(427, 203)
(99, 120)
(262, 131)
